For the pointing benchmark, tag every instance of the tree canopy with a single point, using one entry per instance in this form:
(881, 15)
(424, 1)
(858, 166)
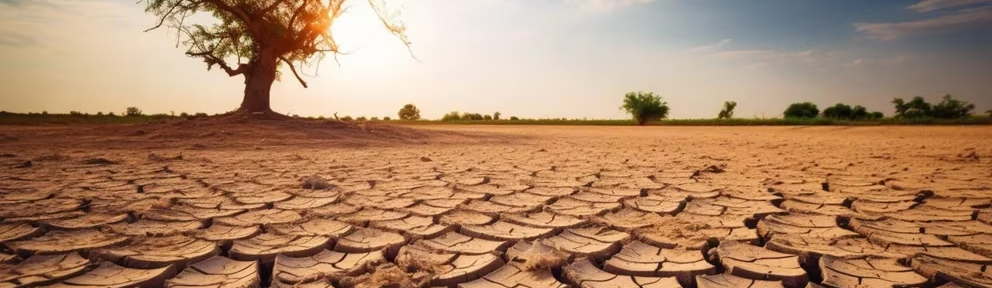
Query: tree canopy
(644, 107)
(802, 110)
(947, 108)
(728, 110)
(253, 38)
(409, 112)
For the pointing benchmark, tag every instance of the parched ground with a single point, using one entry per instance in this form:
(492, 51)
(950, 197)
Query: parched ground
(495, 206)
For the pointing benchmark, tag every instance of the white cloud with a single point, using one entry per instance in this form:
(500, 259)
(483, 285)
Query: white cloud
(607, 5)
(962, 20)
(711, 47)
(933, 5)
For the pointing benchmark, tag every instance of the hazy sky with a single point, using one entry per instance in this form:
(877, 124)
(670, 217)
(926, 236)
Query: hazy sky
(529, 58)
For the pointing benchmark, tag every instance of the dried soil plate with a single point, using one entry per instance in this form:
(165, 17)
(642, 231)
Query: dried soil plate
(218, 272)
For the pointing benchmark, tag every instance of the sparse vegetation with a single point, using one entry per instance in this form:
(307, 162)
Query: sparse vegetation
(132, 111)
(948, 108)
(728, 110)
(361, 119)
(346, 118)
(409, 112)
(514, 118)
(496, 115)
(804, 110)
(387, 118)
(644, 107)
(451, 116)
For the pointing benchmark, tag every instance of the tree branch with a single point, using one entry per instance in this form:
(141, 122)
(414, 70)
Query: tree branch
(211, 60)
(292, 68)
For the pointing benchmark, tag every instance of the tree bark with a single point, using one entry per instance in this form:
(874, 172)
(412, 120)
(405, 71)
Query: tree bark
(258, 83)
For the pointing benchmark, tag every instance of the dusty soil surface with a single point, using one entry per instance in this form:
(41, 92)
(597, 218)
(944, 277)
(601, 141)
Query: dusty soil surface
(334, 205)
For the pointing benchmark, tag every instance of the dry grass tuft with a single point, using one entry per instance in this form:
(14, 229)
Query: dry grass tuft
(386, 275)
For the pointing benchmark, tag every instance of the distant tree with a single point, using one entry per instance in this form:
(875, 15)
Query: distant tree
(132, 111)
(644, 107)
(477, 117)
(860, 113)
(76, 114)
(361, 118)
(728, 110)
(989, 112)
(915, 108)
(487, 117)
(374, 119)
(321, 117)
(514, 118)
(950, 108)
(387, 118)
(451, 116)
(947, 108)
(98, 113)
(261, 35)
(346, 118)
(802, 110)
(111, 114)
(877, 115)
(44, 112)
(184, 115)
(838, 111)
(409, 112)
(200, 114)
(496, 115)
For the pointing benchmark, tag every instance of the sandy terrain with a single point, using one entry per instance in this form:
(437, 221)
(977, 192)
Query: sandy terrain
(180, 205)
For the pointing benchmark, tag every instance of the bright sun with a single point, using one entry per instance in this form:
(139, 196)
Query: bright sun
(363, 39)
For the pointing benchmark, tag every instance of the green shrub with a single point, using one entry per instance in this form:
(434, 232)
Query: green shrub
(200, 114)
(496, 115)
(728, 110)
(802, 110)
(948, 108)
(347, 118)
(514, 118)
(184, 115)
(375, 119)
(76, 114)
(644, 107)
(487, 117)
(387, 118)
(409, 112)
(877, 115)
(451, 116)
(839, 111)
(132, 111)
(361, 118)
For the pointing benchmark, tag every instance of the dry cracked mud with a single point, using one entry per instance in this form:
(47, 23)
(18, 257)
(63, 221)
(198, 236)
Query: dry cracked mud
(537, 207)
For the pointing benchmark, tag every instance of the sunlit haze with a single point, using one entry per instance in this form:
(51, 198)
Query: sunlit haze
(526, 58)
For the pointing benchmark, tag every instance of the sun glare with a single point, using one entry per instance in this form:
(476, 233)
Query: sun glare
(363, 40)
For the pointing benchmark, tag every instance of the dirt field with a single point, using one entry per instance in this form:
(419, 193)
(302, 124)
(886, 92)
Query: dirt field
(182, 205)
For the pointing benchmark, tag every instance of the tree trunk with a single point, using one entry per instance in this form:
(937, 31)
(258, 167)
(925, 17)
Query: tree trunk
(258, 83)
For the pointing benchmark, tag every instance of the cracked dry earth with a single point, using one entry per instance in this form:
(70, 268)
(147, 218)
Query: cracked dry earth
(565, 206)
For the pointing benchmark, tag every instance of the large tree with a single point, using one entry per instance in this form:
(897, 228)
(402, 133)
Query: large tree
(260, 35)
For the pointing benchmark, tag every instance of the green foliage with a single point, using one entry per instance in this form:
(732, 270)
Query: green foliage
(184, 114)
(644, 107)
(362, 119)
(132, 111)
(877, 115)
(451, 116)
(374, 119)
(98, 113)
(514, 118)
(409, 112)
(839, 111)
(728, 110)
(387, 118)
(321, 117)
(989, 112)
(347, 118)
(801, 110)
(947, 108)
(76, 114)
(200, 114)
(496, 115)
(111, 114)
(472, 117)
(487, 117)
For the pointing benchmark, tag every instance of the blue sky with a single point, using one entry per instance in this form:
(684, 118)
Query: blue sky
(529, 58)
